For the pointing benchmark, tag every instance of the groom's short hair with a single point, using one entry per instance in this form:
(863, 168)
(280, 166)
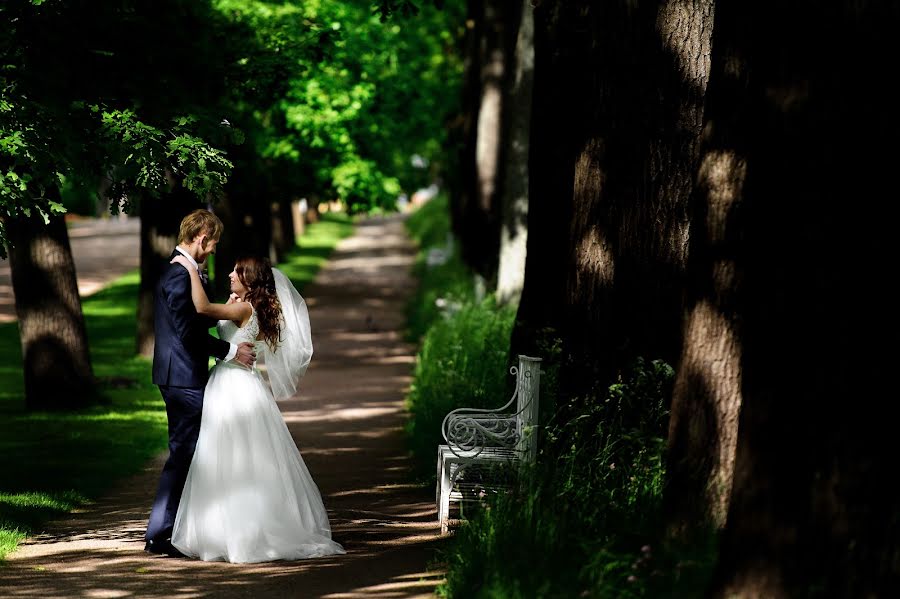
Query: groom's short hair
(198, 222)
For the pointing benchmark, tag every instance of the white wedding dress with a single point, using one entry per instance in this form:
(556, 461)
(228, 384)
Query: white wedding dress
(248, 496)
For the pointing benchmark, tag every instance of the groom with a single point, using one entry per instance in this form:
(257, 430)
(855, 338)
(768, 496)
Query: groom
(180, 368)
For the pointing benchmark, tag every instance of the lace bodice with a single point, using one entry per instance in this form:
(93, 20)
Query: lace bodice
(232, 333)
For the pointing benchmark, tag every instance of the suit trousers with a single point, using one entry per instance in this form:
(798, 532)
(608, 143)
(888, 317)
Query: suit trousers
(184, 407)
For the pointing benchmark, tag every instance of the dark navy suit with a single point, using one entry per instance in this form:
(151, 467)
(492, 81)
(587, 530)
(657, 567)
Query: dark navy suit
(180, 369)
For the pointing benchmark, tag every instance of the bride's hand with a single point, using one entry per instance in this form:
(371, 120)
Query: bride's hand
(233, 299)
(182, 260)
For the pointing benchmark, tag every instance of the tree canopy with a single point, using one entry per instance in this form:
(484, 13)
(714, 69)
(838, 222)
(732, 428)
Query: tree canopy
(330, 98)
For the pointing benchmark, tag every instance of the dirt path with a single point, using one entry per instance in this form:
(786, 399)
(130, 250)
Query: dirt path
(348, 425)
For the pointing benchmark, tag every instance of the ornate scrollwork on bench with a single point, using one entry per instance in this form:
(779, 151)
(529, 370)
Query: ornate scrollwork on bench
(495, 437)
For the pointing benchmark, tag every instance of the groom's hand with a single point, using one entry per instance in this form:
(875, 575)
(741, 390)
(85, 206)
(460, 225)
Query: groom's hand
(245, 354)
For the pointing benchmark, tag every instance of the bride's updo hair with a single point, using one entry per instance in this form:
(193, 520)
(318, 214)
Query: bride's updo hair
(255, 274)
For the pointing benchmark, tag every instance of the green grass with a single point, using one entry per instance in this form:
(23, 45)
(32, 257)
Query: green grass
(463, 341)
(586, 519)
(53, 462)
(450, 282)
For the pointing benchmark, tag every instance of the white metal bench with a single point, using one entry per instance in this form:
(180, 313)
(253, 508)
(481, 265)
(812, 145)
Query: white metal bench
(495, 439)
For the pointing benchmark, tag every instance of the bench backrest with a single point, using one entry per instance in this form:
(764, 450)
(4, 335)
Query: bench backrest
(528, 383)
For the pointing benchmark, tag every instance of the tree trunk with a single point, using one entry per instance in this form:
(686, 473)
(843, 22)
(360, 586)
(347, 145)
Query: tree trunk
(541, 307)
(160, 222)
(57, 363)
(706, 400)
(625, 87)
(248, 231)
(283, 233)
(514, 226)
(799, 106)
(475, 205)
(463, 132)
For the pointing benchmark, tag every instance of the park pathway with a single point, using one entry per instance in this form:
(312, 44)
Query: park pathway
(347, 422)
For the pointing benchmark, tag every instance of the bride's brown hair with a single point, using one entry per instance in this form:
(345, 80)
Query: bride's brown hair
(255, 274)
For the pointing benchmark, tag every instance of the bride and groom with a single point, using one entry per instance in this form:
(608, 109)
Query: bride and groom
(234, 487)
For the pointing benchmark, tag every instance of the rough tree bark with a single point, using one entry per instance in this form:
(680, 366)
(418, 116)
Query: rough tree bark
(798, 108)
(516, 135)
(541, 306)
(621, 110)
(475, 203)
(703, 426)
(56, 357)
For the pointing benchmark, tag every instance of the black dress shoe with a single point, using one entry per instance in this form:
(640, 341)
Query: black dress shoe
(162, 547)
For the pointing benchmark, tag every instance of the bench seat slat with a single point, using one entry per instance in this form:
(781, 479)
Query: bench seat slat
(487, 440)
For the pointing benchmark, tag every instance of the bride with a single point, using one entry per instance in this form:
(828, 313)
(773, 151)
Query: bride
(249, 496)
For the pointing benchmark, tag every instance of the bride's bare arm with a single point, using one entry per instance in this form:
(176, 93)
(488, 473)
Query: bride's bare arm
(237, 311)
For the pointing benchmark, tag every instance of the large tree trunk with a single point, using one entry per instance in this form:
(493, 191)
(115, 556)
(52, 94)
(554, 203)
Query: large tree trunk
(475, 205)
(57, 363)
(517, 132)
(704, 416)
(160, 222)
(462, 131)
(624, 94)
(542, 304)
(801, 105)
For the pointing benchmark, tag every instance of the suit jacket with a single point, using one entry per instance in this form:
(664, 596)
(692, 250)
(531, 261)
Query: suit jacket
(183, 343)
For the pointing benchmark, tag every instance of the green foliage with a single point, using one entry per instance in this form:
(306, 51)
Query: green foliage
(377, 94)
(77, 196)
(318, 98)
(152, 156)
(429, 226)
(363, 187)
(585, 520)
(91, 90)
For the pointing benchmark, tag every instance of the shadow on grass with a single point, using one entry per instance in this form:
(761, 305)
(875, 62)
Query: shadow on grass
(53, 462)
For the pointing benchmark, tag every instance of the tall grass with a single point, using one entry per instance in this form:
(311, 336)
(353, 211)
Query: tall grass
(462, 362)
(53, 462)
(464, 340)
(585, 520)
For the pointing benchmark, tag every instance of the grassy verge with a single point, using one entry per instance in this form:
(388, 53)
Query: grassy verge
(53, 462)
(585, 520)
(464, 339)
